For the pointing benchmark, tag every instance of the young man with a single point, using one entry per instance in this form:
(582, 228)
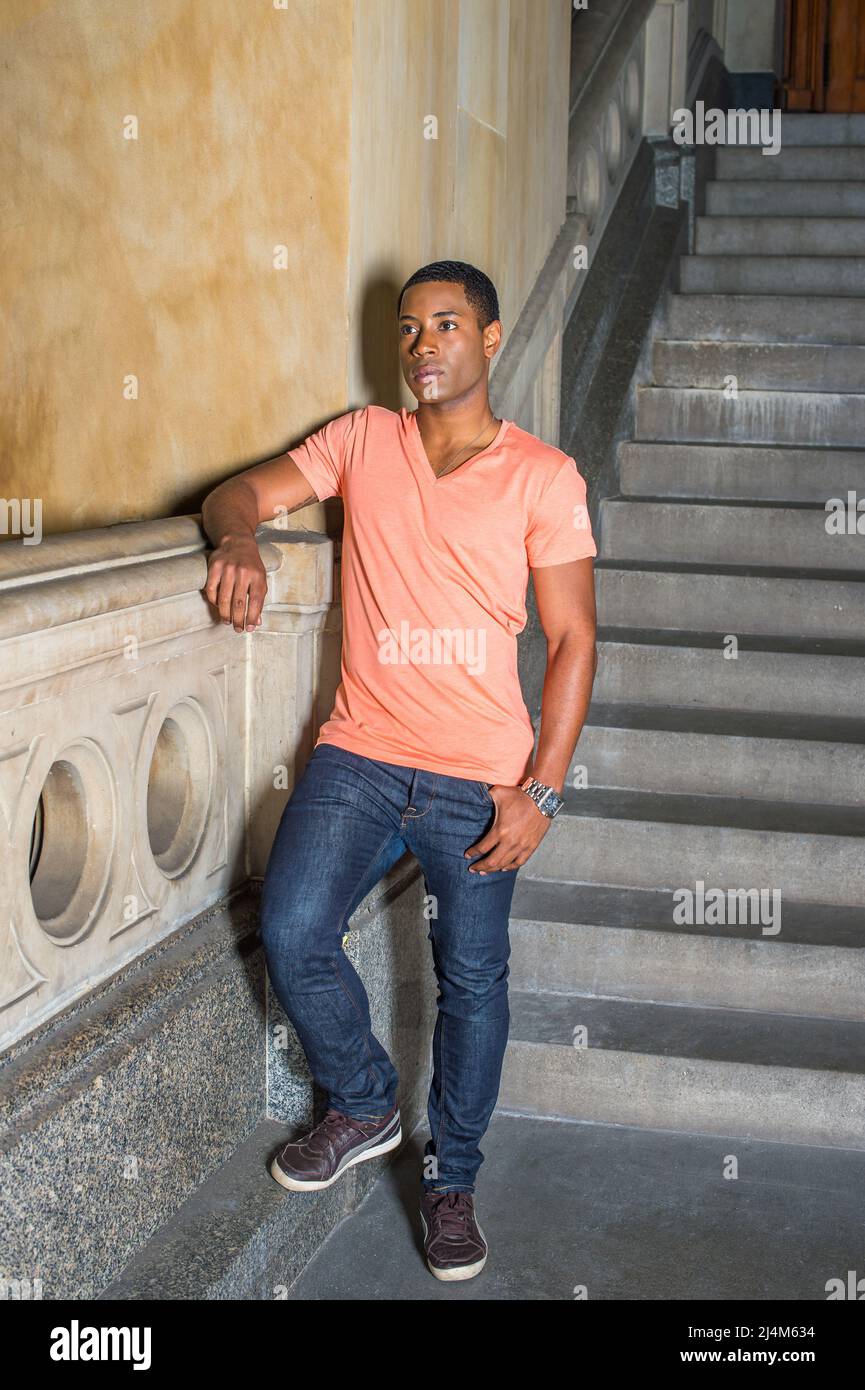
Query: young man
(429, 745)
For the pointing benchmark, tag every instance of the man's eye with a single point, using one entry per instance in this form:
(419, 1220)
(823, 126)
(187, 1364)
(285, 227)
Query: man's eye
(407, 328)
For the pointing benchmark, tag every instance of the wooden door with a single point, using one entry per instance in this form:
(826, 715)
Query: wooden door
(824, 55)
(845, 89)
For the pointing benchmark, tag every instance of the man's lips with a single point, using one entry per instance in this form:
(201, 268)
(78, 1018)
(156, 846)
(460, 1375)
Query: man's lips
(420, 372)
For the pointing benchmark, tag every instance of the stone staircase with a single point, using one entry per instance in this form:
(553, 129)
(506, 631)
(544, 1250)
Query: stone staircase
(725, 744)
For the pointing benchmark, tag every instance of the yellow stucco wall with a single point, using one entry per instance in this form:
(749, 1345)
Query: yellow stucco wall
(258, 126)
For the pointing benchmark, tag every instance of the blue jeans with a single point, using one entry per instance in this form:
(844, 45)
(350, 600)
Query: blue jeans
(347, 821)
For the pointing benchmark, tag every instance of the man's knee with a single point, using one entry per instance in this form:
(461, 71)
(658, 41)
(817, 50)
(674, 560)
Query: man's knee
(471, 993)
(294, 927)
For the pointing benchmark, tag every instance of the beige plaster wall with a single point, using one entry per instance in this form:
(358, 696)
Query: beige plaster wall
(459, 151)
(155, 339)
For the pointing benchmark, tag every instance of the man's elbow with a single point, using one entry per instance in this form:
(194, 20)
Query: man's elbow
(577, 641)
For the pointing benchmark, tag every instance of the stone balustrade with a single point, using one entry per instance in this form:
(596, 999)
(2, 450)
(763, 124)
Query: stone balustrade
(145, 746)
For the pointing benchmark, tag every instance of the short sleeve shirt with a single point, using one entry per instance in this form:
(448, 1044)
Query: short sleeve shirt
(434, 580)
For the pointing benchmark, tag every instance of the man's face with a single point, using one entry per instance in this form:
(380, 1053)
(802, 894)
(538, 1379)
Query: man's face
(443, 352)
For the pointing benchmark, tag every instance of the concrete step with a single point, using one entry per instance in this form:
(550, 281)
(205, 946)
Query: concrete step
(750, 472)
(772, 602)
(835, 162)
(795, 1080)
(759, 366)
(793, 197)
(818, 418)
(714, 533)
(616, 907)
(787, 676)
(780, 236)
(822, 128)
(721, 963)
(675, 964)
(783, 275)
(772, 318)
(660, 840)
(240, 1235)
(766, 756)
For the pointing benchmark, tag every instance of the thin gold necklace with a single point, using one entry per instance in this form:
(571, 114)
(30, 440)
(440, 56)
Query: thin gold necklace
(462, 450)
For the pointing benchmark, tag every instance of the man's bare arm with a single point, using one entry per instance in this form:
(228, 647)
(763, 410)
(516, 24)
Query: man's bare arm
(565, 596)
(566, 608)
(236, 577)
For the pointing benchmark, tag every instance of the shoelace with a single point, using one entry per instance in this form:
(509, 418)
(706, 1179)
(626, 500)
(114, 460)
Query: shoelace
(453, 1213)
(332, 1120)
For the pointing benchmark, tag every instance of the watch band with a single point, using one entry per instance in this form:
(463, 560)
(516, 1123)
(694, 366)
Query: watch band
(546, 798)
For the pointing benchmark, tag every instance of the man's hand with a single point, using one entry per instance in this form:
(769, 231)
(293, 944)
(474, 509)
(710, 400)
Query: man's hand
(236, 576)
(514, 835)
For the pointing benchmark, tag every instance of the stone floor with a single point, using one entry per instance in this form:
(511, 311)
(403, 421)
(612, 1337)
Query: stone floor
(630, 1214)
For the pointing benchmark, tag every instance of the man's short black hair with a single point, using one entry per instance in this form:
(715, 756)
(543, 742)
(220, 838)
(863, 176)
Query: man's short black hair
(479, 290)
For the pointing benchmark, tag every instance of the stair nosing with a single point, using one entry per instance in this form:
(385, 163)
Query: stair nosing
(699, 639)
(775, 731)
(715, 811)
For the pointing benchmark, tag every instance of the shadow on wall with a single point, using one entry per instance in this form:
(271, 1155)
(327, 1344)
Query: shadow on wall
(375, 343)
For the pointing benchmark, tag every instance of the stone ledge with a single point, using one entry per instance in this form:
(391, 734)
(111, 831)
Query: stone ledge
(241, 1236)
(116, 1111)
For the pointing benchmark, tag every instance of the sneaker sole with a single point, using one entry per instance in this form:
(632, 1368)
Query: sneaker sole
(456, 1271)
(302, 1185)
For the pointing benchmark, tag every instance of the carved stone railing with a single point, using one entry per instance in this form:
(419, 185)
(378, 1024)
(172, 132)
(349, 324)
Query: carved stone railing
(139, 780)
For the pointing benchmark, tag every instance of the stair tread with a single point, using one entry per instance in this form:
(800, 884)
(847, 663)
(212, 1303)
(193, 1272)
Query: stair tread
(802, 258)
(650, 909)
(776, 217)
(748, 641)
(728, 812)
(810, 183)
(751, 298)
(702, 567)
(690, 1032)
(810, 728)
(757, 317)
(739, 504)
(763, 346)
(801, 504)
(745, 446)
(755, 147)
(749, 392)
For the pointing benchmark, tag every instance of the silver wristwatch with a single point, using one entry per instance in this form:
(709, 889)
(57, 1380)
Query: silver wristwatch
(545, 798)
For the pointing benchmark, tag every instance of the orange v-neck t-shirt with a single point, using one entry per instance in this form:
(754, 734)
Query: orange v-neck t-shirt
(434, 579)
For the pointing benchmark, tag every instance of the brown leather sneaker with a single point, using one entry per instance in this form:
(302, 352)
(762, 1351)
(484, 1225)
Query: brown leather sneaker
(453, 1241)
(320, 1157)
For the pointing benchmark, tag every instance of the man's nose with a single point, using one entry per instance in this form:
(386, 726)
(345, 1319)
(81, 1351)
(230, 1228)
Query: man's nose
(423, 342)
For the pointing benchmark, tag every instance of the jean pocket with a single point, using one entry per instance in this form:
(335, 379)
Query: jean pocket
(484, 788)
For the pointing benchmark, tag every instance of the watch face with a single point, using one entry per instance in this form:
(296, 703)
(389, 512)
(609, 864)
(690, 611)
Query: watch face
(550, 803)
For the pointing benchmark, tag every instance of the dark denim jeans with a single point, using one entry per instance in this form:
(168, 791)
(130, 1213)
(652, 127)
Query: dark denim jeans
(347, 821)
